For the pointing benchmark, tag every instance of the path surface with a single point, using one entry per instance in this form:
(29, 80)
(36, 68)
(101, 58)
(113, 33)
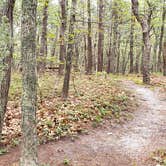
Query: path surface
(124, 145)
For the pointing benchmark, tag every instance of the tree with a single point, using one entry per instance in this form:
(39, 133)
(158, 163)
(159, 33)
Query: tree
(90, 63)
(43, 46)
(6, 53)
(100, 36)
(29, 83)
(70, 48)
(63, 5)
(114, 36)
(132, 44)
(161, 37)
(144, 21)
(159, 65)
(164, 58)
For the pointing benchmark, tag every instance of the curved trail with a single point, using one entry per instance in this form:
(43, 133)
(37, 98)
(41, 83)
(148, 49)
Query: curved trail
(129, 144)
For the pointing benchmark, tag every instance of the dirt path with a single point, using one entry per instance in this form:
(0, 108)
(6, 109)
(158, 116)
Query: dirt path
(124, 145)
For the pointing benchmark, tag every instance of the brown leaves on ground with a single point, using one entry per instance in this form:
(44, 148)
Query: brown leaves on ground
(159, 157)
(92, 99)
(158, 81)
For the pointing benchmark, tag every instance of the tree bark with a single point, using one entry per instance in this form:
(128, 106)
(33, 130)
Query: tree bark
(159, 65)
(137, 62)
(68, 65)
(101, 36)
(29, 83)
(164, 58)
(164, 53)
(90, 58)
(118, 54)
(132, 44)
(145, 24)
(53, 50)
(62, 54)
(43, 46)
(109, 53)
(115, 37)
(6, 53)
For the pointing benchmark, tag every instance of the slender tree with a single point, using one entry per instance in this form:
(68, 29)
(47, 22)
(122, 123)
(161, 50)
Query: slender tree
(6, 53)
(29, 83)
(68, 65)
(90, 58)
(161, 37)
(145, 24)
(100, 36)
(55, 40)
(132, 44)
(114, 36)
(43, 43)
(159, 65)
(63, 5)
(164, 58)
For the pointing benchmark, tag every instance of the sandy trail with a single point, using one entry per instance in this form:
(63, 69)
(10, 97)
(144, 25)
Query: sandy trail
(124, 145)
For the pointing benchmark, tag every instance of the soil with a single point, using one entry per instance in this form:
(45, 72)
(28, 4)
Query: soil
(128, 144)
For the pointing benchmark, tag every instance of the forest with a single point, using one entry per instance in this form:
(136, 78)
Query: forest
(83, 83)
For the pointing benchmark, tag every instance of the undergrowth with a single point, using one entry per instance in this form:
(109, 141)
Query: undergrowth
(92, 100)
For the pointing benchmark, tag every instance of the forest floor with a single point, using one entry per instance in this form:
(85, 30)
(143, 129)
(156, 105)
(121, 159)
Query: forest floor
(140, 141)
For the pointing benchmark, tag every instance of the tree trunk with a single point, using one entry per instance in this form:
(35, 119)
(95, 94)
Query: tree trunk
(71, 37)
(159, 65)
(124, 61)
(53, 50)
(43, 47)
(132, 44)
(29, 83)
(90, 63)
(114, 36)
(101, 36)
(137, 62)
(155, 47)
(109, 54)
(62, 53)
(76, 57)
(164, 54)
(145, 24)
(146, 57)
(6, 53)
(118, 54)
(164, 58)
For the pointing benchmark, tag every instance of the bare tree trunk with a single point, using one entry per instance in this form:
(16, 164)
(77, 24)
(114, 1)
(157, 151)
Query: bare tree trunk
(29, 83)
(114, 36)
(62, 54)
(76, 57)
(109, 54)
(159, 65)
(101, 36)
(155, 47)
(6, 53)
(145, 24)
(137, 62)
(118, 54)
(53, 50)
(132, 44)
(164, 58)
(164, 53)
(43, 47)
(90, 63)
(124, 61)
(71, 37)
